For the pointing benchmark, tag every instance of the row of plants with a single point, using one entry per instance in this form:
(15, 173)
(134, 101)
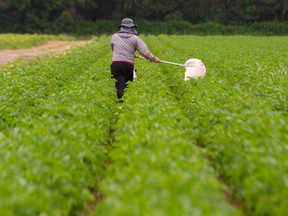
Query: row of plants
(55, 120)
(20, 41)
(238, 111)
(155, 167)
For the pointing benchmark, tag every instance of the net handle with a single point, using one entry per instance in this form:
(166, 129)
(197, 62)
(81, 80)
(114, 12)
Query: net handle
(167, 62)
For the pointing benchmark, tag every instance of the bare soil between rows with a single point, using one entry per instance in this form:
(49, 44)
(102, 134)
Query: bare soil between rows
(53, 47)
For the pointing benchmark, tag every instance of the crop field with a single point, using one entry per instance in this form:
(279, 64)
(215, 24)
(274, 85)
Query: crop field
(213, 146)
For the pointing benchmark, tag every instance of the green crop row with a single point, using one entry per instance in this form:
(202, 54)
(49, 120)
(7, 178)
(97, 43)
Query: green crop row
(18, 41)
(55, 122)
(155, 167)
(238, 111)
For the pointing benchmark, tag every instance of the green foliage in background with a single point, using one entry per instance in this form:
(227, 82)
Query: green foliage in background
(81, 27)
(45, 16)
(227, 11)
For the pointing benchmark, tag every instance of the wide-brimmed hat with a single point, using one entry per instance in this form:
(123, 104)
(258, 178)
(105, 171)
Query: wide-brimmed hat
(127, 22)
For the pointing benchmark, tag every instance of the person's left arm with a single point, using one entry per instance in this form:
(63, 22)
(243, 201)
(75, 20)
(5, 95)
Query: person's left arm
(112, 44)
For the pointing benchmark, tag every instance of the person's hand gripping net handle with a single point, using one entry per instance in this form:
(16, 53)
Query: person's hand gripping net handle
(162, 61)
(157, 60)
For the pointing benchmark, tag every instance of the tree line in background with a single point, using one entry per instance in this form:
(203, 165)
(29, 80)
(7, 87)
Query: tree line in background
(35, 13)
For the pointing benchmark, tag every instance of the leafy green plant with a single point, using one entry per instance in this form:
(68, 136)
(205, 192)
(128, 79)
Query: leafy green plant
(238, 111)
(55, 128)
(57, 116)
(155, 166)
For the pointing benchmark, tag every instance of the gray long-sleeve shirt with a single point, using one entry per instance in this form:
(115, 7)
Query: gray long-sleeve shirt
(124, 45)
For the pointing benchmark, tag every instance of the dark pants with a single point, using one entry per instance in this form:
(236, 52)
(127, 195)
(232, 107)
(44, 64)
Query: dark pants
(122, 72)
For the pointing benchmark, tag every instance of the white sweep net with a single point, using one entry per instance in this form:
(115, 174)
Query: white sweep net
(194, 68)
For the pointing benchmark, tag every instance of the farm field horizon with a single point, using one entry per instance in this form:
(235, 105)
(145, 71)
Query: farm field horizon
(213, 146)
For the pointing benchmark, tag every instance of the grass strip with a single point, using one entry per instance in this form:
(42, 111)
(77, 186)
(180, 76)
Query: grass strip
(20, 41)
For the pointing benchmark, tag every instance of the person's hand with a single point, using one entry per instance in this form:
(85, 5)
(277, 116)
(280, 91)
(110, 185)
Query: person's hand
(157, 60)
(136, 56)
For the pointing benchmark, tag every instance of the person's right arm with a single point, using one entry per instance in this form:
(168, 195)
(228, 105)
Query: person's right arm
(143, 49)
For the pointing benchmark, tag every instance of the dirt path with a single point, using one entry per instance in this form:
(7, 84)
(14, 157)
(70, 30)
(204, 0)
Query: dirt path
(52, 47)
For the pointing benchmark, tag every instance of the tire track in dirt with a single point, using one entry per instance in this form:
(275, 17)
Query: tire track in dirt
(53, 47)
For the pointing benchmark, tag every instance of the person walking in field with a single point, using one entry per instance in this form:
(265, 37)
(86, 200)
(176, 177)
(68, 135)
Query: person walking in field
(124, 43)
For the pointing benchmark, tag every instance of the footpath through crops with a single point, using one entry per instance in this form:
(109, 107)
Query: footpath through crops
(172, 146)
